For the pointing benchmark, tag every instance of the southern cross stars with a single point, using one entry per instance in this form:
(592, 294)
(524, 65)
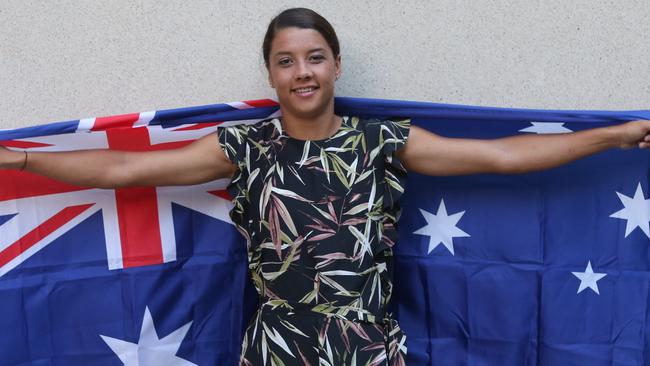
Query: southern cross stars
(589, 279)
(636, 212)
(546, 127)
(150, 350)
(441, 228)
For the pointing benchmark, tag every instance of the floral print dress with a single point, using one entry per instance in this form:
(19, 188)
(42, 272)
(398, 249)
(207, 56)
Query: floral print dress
(319, 219)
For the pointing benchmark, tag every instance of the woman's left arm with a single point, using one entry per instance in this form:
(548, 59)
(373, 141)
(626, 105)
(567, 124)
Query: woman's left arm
(430, 154)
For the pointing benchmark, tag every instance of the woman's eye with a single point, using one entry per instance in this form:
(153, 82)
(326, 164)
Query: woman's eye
(284, 62)
(317, 58)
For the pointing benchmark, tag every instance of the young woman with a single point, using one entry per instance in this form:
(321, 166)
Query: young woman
(316, 197)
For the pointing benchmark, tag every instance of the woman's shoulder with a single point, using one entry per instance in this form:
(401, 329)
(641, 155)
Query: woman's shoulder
(256, 130)
(381, 126)
(380, 123)
(384, 134)
(238, 138)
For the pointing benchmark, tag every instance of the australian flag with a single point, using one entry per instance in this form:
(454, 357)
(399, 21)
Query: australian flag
(547, 268)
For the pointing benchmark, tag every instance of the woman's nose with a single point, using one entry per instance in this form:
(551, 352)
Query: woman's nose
(303, 71)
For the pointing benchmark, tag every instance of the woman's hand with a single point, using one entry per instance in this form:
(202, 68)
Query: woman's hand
(633, 134)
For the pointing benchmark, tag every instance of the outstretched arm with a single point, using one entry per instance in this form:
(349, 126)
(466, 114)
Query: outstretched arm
(430, 154)
(199, 162)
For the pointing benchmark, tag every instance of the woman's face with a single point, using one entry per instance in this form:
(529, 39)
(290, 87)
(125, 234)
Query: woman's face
(302, 70)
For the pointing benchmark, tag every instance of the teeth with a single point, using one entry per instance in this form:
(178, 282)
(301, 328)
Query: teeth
(304, 90)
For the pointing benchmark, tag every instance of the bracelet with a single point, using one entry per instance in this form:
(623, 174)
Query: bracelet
(24, 162)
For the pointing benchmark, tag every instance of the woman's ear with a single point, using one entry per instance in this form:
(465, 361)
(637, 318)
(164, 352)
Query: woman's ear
(271, 81)
(337, 65)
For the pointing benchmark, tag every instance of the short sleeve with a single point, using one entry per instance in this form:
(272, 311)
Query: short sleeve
(233, 141)
(384, 137)
(393, 136)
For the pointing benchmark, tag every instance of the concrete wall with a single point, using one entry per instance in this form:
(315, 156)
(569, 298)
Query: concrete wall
(67, 59)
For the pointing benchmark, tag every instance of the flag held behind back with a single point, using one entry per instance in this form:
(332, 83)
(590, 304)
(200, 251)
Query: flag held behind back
(544, 268)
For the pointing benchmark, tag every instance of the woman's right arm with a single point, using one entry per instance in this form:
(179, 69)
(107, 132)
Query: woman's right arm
(199, 162)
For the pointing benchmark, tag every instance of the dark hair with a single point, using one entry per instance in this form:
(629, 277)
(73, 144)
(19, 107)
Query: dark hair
(300, 18)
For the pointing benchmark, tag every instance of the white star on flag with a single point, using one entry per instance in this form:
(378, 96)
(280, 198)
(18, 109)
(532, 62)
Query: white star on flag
(589, 279)
(441, 228)
(636, 212)
(150, 350)
(546, 127)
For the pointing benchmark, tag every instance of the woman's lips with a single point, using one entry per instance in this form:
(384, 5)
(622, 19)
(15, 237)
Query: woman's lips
(305, 91)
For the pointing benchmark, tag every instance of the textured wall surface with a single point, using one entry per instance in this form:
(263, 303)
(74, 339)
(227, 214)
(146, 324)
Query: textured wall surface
(68, 59)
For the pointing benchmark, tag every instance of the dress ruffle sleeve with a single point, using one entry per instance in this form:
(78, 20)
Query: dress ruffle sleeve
(394, 134)
(234, 143)
(384, 137)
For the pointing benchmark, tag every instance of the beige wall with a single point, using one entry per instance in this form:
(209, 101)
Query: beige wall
(69, 59)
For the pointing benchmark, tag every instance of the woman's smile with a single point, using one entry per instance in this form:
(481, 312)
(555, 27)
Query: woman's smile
(305, 91)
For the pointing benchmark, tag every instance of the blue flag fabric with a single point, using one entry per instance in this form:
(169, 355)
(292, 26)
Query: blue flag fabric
(547, 268)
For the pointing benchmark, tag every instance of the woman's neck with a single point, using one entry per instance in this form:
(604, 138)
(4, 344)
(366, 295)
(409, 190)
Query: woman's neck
(311, 128)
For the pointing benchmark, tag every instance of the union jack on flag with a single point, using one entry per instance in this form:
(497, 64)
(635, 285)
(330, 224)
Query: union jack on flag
(138, 223)
(545, 268)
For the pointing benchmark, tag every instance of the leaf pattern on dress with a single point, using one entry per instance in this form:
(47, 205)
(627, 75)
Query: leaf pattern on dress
(319, 218)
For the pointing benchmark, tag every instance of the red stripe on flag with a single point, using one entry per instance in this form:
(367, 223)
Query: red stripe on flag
(261, 103)
(137, 208)
(222, 193)
(16, 184)
(22, 144)
(137, 212)
(40, 232)
(171, 145)
(123, 120)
